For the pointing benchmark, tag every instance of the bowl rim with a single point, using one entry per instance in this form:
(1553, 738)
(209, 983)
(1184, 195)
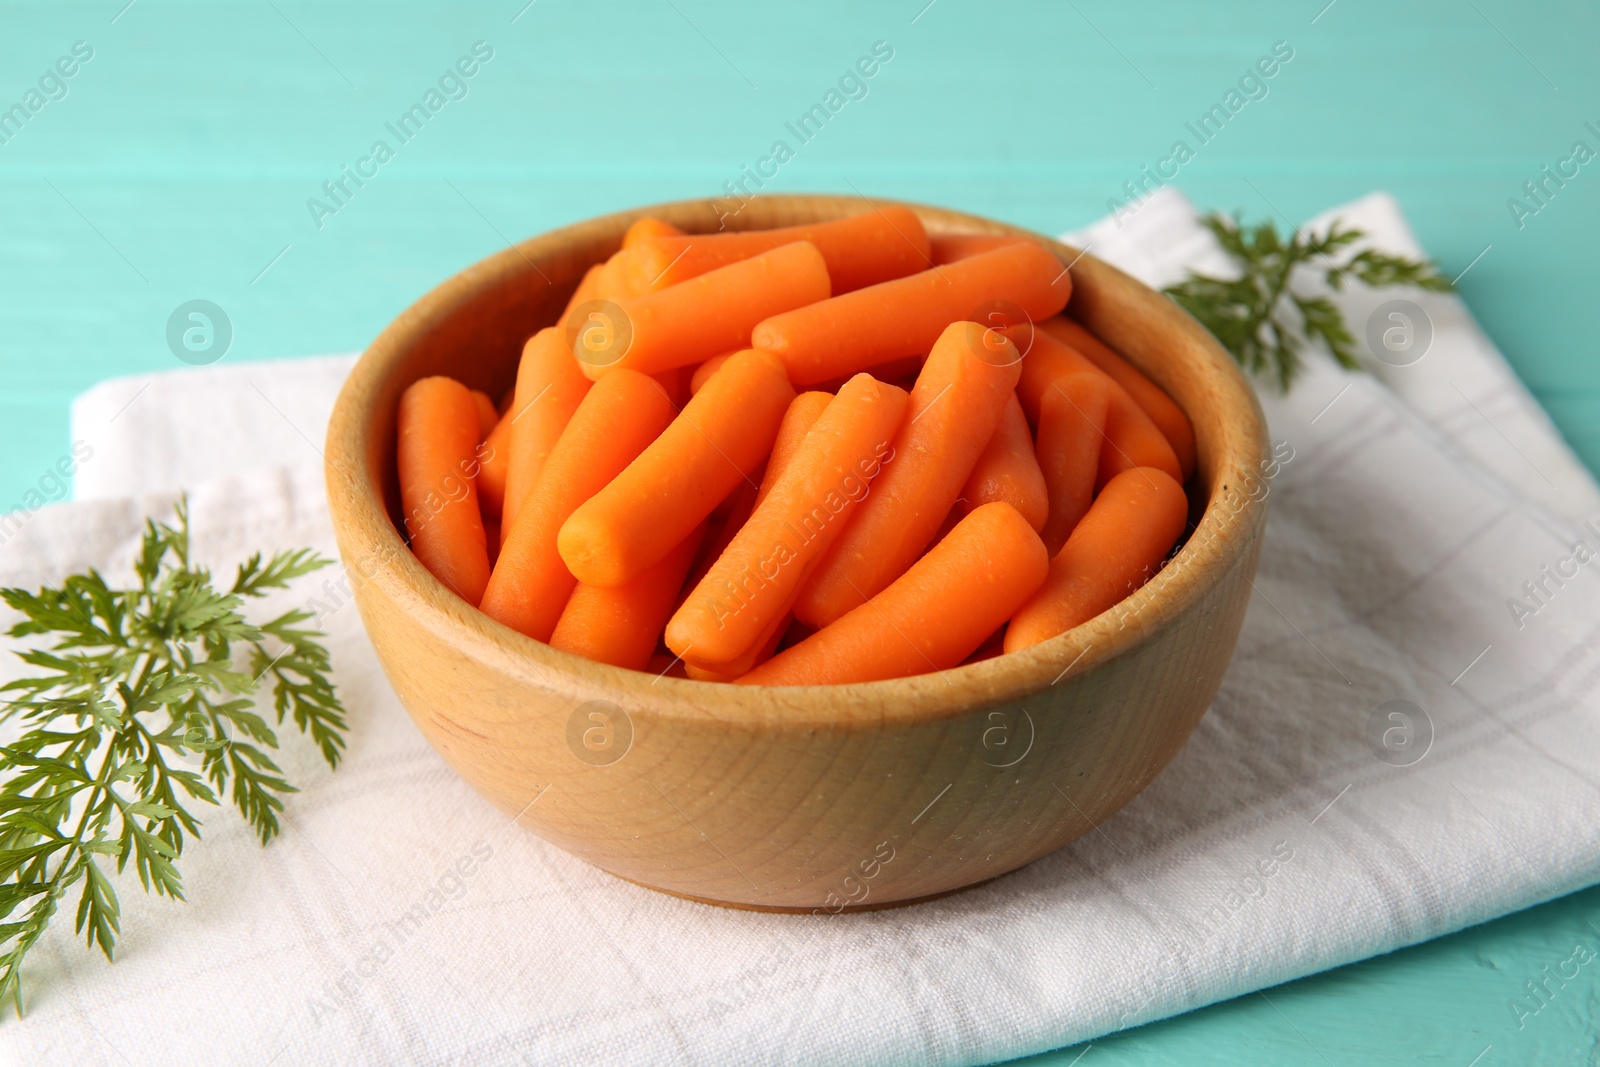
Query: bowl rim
(1221, 540)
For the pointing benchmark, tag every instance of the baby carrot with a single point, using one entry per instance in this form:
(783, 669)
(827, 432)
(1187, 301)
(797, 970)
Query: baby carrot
(614, 282)
(1008, 470)
(1047, 360)
(549, 388)
(722, 435)
(1072, 419)
(953, 516)
(804, 411)
(1167, 415)
(740, 503)
(953, 411)
(704, 371)
(759, 653)
(494, 459)
(706, 674)
(753, 583)
(993, 645)
(1115, 549)
(1132, 440)
(933, 616)
(588, 289)
(949, 247)
(784, 630)
(905, 317)
(647, 227)
(861, 250)
(438, 431)
(707, 315)
(621, 625)
(613, 424)
(487, 415)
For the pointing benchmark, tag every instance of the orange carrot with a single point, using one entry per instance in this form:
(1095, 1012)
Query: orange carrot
(740, 503)
(612, 425)
(588, 289)
(1047, 360)
(705, 674)
(736, 669)
(949, 247)
(646, 228)
(954, 409)
(861, 250)
(621, 625)
(753, 583)
(956, 513)
(1167, 415)
(993, 645)
(707, 315)
(756, 655)
(804, 411)
(730, 503)
(933, 616)
(549, 388)
(487, 415)
(722, 435)
(1132, 440)
(494, 460)
(439, 433)
(704, 371)
(1072, 419)
(1008, 470)
(905, 317)
(613, 282)
(1115, 549)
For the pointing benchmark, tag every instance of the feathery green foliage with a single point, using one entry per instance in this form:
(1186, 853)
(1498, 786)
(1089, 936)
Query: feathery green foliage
(1250, 314)
(138, 708)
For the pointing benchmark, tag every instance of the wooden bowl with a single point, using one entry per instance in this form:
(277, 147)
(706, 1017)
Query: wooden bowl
(836, 797)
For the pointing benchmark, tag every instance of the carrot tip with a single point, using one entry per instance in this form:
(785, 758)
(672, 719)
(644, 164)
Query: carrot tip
(1007, 332)
(599, 334)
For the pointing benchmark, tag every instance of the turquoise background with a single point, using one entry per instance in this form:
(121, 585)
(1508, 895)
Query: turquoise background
(179, 164)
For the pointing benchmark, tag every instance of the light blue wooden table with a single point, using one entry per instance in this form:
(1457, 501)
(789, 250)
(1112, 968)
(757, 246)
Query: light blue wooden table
(176, 163)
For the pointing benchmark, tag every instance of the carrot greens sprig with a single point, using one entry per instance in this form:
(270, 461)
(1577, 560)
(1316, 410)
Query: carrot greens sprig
(143, 702)
(1251, 314)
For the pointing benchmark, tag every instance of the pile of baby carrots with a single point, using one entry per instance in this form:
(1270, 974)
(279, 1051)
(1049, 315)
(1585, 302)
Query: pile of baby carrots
(829, 453)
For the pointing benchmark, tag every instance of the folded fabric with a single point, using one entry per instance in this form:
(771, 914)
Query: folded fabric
(242, 420)
(401, 919)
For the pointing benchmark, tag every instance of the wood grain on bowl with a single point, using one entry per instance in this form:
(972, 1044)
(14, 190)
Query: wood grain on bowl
(831, 798)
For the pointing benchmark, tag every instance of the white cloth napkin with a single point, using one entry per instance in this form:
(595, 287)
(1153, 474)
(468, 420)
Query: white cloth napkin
(402, 919)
